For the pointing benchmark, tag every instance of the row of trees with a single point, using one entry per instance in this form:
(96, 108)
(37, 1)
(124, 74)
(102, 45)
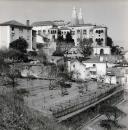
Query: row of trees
(115, 49)
(68, 38)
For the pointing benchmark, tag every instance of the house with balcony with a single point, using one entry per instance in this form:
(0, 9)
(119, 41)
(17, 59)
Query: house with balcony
(12, 30)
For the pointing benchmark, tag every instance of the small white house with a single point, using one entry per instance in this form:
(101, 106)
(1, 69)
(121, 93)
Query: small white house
(114, 76)
(78, 70)
(110, 79)
(98, 63)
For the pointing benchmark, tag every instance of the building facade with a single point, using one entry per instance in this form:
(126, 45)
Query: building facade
(80, 32)
(45, 31)
(12, 30)
(78, 70)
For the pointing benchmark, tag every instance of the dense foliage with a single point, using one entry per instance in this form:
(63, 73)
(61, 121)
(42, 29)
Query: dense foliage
(115, 50)
(112, 114)
(20, 45)
(86, 47)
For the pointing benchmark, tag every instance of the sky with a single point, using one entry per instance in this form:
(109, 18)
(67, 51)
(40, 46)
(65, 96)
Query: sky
(111, 13)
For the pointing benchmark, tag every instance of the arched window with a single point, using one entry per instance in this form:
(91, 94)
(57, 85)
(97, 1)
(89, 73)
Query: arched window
(101, 51)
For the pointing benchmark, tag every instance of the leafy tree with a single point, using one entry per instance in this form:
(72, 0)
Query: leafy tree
(109, 42)
(60, 37)
(39, 46)
(112, 113)
(42, 57)
(32, 53)
(58, 53)
(68, 38)
(116, 50)
(20, 45)
(86, 47)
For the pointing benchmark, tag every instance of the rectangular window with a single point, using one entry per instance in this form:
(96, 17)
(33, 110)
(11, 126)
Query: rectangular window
(21, 30)
(12, 28)
(39, 32)
(73, 32)
(84, 31)
(91, 31)
(78, 31)
(44, 31)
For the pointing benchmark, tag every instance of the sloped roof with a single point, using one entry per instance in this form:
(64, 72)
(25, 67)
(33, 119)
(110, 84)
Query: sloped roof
(99, 26)
(106, 58)
(43, 23)
(13, 23)
(95, 59)
(81, 25)
(65, 28)
(61, 22)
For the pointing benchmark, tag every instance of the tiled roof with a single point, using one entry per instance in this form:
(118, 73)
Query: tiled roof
(13, 23)
(94, 60)
(106, 58)
(65, 28)
(81, 25)
(99, 26)
(43, 23)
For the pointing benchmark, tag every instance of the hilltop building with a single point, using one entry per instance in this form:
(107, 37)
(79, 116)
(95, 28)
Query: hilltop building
(12, 30)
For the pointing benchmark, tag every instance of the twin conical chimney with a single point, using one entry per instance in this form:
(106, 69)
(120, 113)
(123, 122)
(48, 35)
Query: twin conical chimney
(77, 19)
(80, 17)
(74, 19)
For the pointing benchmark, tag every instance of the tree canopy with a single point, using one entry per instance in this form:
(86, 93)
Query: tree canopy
(112, 113)
(115, 49)
(86, 47)
(68, 38)
(19, 44)
(60, 37)
(109, 42)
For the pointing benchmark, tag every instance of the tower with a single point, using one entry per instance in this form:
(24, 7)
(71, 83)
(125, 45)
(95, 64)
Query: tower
(80, 17)
(74, 19)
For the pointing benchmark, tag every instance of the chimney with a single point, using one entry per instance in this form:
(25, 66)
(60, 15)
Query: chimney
(28, 22)
(80, 17)
(74, 18)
